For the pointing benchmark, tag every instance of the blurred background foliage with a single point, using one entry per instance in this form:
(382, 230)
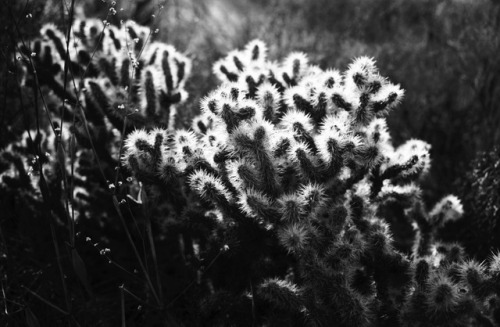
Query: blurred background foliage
(444, 53)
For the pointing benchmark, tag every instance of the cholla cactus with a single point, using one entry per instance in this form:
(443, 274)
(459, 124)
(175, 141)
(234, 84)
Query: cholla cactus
(302, 157)
(280, 185)
(21, 171)
(114, 79)
(120, 69)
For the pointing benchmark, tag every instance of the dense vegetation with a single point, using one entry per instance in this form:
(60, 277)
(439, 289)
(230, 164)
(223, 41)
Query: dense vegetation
(156, 177)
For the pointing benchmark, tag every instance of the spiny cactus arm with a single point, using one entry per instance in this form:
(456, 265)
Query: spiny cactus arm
(48, 55)
(269, 98)
(99, 104)
(447, 209)
(409, 161)
(295, 237)
(229, 68)
(253, 138)
(313, 198)
(281, 294)
(494, 269)
(257, 205)
(424, 230)
(14, 173)
(376, 96)
(242, 174)
(404, 195)
(427, 224)
(291, 208)
(332, 143)
(163, 79)
(403, 165)
(143, 151)
(306, 164)
(297, 97)
(474, 275)
(88, 31)
(443, 296)
(293, 68)
(416, 299)
(211, 188)
(20, 169)
(47, 72)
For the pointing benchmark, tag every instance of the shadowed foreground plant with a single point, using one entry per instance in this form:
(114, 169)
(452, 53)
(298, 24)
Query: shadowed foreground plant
(65, 168)
(115, 78)
(480, 189)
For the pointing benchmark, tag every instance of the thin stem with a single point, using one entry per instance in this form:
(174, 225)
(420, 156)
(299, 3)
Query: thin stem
(149, 232)
(122, 301)
(52, 305)
(43, 184)
(136, 252)
(138, 298)
(194, 280)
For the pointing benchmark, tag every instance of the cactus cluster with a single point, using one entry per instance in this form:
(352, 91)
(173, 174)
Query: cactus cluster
(121, 71)
(108, 81)
(275, 201)
(301, 159)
